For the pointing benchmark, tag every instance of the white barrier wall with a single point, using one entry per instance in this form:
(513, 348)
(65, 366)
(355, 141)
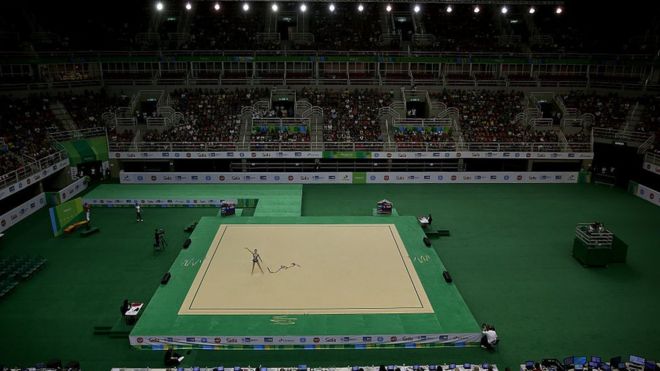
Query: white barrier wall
(34, 178)
(348, 178)
(21, 212)
(473, 177)
(220, 178)
(651, 167)
(648, 194)
(351, 154)
(72, 190)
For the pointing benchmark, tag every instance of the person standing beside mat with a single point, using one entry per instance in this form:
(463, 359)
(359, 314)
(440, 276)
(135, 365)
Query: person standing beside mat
(138, 212)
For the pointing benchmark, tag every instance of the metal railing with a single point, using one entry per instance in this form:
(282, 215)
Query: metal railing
(30, 168)
(349, 146)
(60, 136)
(652, 158)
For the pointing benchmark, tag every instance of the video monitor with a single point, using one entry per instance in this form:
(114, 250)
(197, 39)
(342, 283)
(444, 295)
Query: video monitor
(579, 366)
(302, 367)
(649, 366)
(467, 366)
(605, 367)
(485, 366)
(621, 366)
(452, 366)
(580, 360)
(568, 361)
(596, 359)
(529, 365)
(593, 364)
(433, 367)
(637, 360)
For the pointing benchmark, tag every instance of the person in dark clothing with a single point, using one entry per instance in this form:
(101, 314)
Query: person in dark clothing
(172, 359)
(124, 307)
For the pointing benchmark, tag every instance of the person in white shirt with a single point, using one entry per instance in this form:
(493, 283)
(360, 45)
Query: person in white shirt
(489, 337)
(138, 213)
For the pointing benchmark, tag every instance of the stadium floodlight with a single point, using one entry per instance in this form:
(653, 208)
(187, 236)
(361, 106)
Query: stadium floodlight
(246, 7)
(417, 8)
(160, 6)
(188, 6)
(274, 8)
(476, 9)
(216, 6)
(559, 10)
(532, 10)
(331, 7)
(449, 9)
(303, 7)
(360, 8)
(504, 9)
(388, 8)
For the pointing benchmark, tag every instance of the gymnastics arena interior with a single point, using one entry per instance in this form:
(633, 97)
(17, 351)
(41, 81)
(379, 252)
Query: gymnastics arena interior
(431, 185)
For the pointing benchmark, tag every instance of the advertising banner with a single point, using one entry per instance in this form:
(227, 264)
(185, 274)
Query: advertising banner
(471, 177)
(222, 155)
(229, 178)
(21, 212)
(246, 342)
(72, 189)
(486, 155)
(354, 155)
(648, 194)
(34, 178)
(651, 167)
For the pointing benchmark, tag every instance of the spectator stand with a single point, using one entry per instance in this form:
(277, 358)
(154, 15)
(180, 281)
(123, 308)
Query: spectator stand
(280, 134)
(425, 135)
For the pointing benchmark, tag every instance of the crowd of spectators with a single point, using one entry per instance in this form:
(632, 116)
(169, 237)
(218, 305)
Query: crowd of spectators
(350, 115)
(609, 110)
(487, 116)
(650, 119)
(23, 129)
(209, 115)
(87, 108)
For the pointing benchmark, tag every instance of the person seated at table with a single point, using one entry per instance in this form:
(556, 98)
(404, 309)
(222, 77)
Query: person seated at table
(172, 359)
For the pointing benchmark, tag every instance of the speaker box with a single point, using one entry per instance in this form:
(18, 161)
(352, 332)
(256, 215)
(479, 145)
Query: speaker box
(166, 278)
(427, 242)
(447, 277)
(186, 243)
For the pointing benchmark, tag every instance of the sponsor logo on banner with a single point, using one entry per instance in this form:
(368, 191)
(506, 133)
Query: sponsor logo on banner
(386, 177)
(290, 178)
(140, 340)
(519, 177)
(366, 339)
(217, 340)
(268, 340)
(302, 340)
(221, 178)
